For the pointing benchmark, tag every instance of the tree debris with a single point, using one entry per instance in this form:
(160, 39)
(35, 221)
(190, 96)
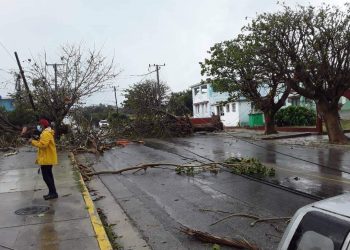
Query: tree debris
(249, 166)
(12, 153)
(209, 238)
(213, 167)
(256, 218)
(5, 149)
(144, 167)
(235, 215)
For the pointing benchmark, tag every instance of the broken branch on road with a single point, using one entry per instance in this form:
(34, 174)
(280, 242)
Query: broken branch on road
(239, 166)
(256, 218)
(157, 165)
(11, 153)
(209, 238)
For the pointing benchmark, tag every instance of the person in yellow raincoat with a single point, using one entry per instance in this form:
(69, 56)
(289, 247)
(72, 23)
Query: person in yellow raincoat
(46, 156)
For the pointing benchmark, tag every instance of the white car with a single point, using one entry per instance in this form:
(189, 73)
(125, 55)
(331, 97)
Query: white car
(323, 225)
(103, 124)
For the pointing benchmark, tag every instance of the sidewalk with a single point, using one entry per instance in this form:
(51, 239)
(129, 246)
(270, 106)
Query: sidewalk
(259, 134)
(288, 138)
(67, 224)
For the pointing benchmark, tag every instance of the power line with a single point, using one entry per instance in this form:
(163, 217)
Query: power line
(145, 73)
(134, 76)
(7, 51)
(4, 70)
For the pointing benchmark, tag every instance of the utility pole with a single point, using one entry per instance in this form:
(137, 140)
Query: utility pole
(25, 82)
(54, 65)
(158, 83)
(115, 97)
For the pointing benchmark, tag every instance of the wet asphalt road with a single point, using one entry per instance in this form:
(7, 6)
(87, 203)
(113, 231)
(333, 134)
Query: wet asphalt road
(159, 201)
(323, 172)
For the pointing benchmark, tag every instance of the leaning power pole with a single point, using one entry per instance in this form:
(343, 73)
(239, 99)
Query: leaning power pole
(25, 82)
(158, 83)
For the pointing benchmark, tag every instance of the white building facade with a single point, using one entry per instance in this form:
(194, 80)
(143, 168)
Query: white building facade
(206, 102)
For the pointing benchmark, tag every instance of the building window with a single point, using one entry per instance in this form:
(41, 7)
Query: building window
(196, 90)
(220, 110)
(308, 101)
(196, 107)
(204, 89)
(234, 107)
(227, 108)
(295, 101)
(205, 107)
(252, 108)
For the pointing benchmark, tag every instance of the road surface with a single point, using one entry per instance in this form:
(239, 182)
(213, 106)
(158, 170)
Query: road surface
(159, 201)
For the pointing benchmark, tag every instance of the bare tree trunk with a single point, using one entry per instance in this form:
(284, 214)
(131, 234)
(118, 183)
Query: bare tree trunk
(270, 123)
(334, 129)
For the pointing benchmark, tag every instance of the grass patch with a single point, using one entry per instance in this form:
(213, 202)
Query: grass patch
(109, 230)
(345, 124)
(76, 176)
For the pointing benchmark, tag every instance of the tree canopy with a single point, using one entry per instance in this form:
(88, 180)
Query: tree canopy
(247, 66)
(306, 49)
(80, 73)
(316, 43)
(181, 103)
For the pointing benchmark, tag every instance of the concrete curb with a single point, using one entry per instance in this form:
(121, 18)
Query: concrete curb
(286, 136)
(97, 225)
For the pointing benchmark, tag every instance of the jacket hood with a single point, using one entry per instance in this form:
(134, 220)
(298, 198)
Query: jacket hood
(50, 130)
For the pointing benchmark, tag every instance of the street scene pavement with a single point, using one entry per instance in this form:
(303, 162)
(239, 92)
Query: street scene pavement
(148, 209)
(159, 201)
(199, 125)
(27, 221)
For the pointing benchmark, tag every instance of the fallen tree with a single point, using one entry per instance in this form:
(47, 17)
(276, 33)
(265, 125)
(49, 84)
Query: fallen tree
(147, 105)
(250, 166)
(154, 165)
(9, 133)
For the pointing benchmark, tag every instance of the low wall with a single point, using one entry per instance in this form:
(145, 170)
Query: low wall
(281, 129)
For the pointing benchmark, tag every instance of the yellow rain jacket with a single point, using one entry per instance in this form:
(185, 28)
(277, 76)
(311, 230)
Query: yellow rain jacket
(47, 154)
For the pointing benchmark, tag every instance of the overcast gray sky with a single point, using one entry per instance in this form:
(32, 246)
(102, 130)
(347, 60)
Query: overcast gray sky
(137, 33)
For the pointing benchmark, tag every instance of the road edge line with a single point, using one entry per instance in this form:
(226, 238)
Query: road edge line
(96, 223)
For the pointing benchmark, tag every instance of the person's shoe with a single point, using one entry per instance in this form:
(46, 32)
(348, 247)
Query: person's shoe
(51, 196)
(45, 196)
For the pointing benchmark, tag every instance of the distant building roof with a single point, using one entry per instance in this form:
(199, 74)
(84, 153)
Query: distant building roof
(198, 84)
(7, 103)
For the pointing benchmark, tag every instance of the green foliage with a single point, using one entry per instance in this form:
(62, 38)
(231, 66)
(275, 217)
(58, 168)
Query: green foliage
(143, 98)
(181, 103)
(216, 247)
(119, 123)
(147, 105)
(296, 116)
(249, 166)
(21, 116)
(187, 171)
(314, 41)
(247, 66)
(191, 171)
(95, 113)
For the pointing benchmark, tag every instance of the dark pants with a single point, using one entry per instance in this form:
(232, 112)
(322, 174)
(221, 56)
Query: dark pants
(46, 170)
